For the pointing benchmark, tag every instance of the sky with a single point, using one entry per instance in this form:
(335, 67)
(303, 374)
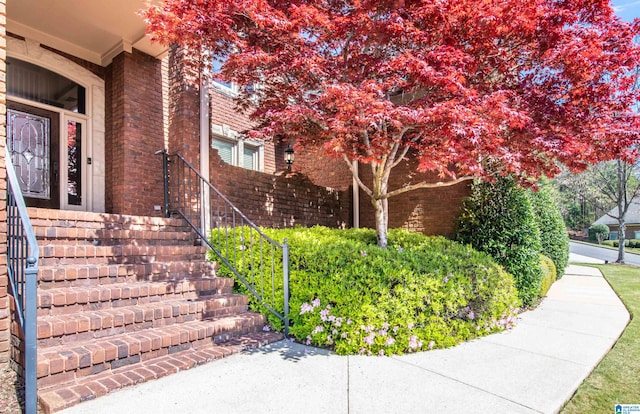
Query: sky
(626, 9)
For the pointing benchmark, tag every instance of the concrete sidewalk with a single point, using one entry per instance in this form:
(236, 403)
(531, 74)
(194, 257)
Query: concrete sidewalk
(533, 368)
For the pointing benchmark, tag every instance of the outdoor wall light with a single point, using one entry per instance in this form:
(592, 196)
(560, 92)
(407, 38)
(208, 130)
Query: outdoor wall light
(289, 156)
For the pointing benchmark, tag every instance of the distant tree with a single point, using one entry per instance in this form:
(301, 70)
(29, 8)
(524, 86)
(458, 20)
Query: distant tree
(619, 183)
(468, 88)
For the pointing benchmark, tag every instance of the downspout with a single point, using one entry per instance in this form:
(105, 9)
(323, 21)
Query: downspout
(356, 197)
(204, 150)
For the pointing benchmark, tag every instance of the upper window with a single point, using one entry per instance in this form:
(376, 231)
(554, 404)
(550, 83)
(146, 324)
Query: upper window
(240, 153)
(28, 81)
(224, 86)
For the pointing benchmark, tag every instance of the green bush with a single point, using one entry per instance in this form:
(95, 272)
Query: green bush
(610, 243)
(497, 218)
(419, 293)
(549, 274)
(598, 233)
(554, 237)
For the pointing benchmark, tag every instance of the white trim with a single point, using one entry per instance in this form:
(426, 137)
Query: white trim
(30, 51)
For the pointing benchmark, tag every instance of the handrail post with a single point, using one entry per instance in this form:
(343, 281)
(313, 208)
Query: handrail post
(30, 335)
(285, 271)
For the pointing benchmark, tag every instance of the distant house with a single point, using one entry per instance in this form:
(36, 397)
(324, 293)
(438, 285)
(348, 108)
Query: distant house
(632, 222)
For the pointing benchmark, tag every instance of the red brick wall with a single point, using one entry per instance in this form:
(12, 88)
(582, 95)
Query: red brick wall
(321, 169)
(134, 131)
(5, 316)
(222, 112)
(184, 107)
(281, 200)
(429, 211)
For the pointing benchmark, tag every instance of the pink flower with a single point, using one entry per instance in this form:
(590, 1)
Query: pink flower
(369, 339)
(266, 328)
(305, 307)
(390, 341)
(414, 342)
(316, 302)
(317, 329)
(363, 253)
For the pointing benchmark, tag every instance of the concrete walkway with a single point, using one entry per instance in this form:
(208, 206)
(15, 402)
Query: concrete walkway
(533, 368)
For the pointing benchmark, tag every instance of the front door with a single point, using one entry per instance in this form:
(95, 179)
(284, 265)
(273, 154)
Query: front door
(33, 143)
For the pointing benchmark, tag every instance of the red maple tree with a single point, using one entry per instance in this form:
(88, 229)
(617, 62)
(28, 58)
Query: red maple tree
(469, 88)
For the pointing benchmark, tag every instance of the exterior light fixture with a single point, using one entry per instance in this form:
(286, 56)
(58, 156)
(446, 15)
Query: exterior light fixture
(289, 156)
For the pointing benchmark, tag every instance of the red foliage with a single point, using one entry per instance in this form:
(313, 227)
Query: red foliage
(525, 82)
(522, 84)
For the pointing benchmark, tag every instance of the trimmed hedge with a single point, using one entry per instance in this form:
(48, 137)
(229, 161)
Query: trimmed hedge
(554, 237)
(498, 219)
(549, 274)
(419, 293)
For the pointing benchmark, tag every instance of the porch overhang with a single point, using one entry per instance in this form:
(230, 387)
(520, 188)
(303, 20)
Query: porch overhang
(95, 31)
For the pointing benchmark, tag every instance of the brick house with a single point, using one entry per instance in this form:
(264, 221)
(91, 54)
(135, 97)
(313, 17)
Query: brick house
(86, 75)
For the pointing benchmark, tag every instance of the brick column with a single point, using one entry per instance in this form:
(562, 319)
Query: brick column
(184, 106)
(4, 281)
(134, 132)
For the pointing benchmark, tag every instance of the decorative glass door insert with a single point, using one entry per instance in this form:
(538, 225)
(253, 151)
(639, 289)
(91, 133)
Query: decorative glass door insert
(30, 147)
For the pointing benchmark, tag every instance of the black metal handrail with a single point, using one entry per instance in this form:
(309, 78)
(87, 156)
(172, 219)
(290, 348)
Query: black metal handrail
(240, 245)
(22, 269)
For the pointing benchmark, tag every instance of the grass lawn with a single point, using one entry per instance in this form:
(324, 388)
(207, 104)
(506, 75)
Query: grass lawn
(616, 379)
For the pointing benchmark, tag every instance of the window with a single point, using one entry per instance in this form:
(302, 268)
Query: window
(218, 84)
(613, 235)
(28, 81)
(241, 153)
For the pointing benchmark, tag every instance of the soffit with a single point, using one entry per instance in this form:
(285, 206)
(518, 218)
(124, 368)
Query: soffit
(95, 30)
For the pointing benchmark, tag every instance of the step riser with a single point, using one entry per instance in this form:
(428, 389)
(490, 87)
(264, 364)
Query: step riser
(89, 275)
(64, 329)
(58, 300)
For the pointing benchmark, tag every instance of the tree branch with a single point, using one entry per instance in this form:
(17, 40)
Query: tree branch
(364, 188)
(425, 184)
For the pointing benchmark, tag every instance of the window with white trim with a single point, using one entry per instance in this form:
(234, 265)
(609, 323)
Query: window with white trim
(243, 153)
(230, 88)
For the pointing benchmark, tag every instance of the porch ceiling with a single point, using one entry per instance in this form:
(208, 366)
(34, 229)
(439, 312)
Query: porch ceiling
(94, 30)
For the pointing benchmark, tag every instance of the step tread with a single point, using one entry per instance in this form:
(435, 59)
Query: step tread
(88, 388)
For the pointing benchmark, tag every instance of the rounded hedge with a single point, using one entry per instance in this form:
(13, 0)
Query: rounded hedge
(498, 219)
(549, 274)
(419, 293)
(554, 238)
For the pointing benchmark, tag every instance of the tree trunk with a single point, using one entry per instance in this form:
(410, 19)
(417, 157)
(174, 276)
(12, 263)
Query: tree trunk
(381, 222)
(621, 238)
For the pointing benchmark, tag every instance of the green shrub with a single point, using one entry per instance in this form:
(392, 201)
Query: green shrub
(497, 218)
(549, 274)
(554, 237)
(419, 293)
(634, 243)
(610, 243)
(598, 233)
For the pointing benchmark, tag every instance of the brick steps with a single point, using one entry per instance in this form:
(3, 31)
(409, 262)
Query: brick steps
(124, 299)
(87, 325)
(57, 254)
(90, 274)
(65, 300)
(88, 388)
(67, 363)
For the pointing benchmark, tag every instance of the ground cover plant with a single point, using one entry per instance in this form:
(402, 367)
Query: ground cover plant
(615, 379)
(421, 292)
